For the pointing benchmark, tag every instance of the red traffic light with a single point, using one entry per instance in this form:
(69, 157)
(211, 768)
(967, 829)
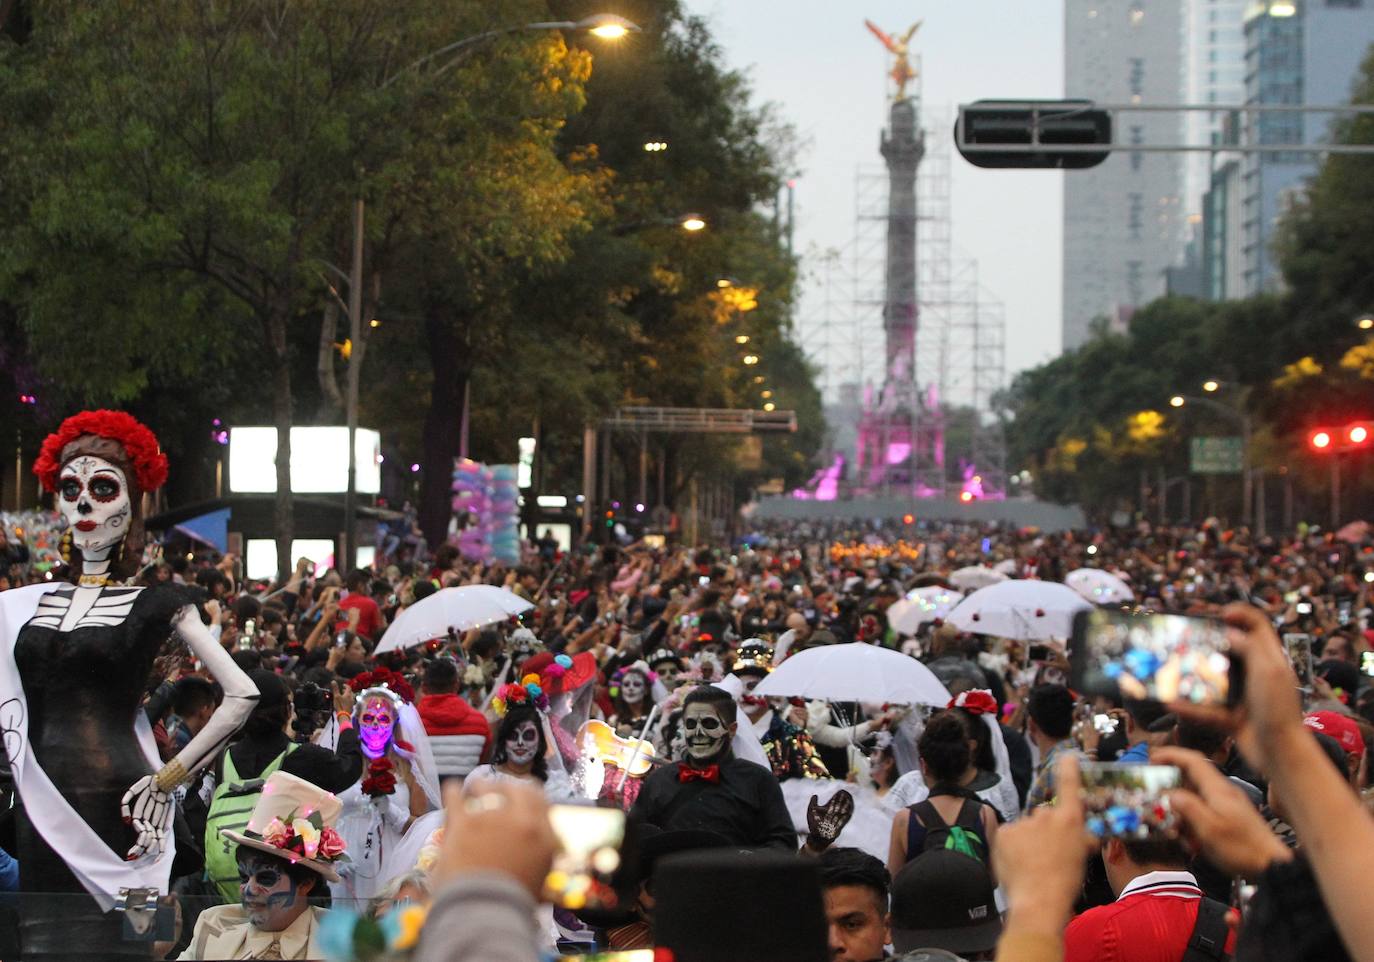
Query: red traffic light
(1320, 440)
(1359, 434)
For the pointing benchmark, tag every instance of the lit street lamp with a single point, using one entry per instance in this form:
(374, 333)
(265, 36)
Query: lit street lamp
(606, 26)
(692, 223)
(1242, 420)
(1365, 322)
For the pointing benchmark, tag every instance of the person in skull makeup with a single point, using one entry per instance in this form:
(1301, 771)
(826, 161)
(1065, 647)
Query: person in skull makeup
(521, 755)
(712, 790)
(96, 810)
(391, 811)
(669, 666)
(283, 858)
(631, 694)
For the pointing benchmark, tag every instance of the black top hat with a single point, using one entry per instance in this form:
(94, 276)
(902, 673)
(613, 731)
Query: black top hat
(943, 899)
(664, 655)
(734, 906)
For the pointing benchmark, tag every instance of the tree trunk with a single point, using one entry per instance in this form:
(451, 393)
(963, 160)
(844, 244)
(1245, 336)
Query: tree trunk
(284, 517)
(451, 367)
(332, 401)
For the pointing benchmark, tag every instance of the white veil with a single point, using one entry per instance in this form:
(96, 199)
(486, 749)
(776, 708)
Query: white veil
(412, 730)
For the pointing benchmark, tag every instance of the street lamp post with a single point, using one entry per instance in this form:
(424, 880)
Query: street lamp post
(607, 26)
(1242, 420)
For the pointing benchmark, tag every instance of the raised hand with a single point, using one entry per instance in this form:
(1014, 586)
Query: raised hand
(825, 822)
(149, 810)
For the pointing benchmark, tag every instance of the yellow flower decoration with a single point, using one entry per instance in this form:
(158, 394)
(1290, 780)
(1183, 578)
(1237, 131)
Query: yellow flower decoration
(309, 835)
(530, 679)
(412, 920)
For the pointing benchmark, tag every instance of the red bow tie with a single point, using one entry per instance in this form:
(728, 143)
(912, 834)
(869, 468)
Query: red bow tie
(686, 773)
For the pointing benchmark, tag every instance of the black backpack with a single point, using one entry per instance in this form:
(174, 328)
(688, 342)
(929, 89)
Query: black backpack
(965, 835)
(1208, 941)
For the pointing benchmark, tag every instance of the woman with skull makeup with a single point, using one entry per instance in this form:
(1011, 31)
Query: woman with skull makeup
(97, 805)
(394, 808)
(521, 754)
(631, 697)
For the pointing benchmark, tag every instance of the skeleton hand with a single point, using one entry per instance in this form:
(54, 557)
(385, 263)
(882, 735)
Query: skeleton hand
(826, 822)
(149, 810)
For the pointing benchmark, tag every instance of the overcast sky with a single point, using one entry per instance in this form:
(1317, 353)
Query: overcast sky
(815, 60)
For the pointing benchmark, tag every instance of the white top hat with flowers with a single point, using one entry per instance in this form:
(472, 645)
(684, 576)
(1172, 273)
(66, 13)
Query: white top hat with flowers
(294, 820)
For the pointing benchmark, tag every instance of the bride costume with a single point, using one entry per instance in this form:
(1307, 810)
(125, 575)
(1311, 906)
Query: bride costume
(383, 839)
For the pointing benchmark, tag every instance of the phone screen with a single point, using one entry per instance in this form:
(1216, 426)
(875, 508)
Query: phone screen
(1298, 645)
(588, 865)
(1129, 801)
(1367, 663)
(1153, 657)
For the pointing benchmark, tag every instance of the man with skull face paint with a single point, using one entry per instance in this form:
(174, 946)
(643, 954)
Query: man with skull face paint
(712, 790)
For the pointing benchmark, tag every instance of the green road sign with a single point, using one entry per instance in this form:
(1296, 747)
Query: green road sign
(1217, 456)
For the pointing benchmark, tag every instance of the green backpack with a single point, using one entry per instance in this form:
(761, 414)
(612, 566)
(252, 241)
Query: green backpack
(231, 805)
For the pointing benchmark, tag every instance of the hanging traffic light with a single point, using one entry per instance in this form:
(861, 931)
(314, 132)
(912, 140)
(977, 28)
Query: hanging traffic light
(1360, 434)
(1320, 439)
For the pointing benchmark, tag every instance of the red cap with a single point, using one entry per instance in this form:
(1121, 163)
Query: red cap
(1339, 727)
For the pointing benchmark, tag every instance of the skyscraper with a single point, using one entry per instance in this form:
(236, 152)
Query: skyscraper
(1215, 75)
(1296, 52)
(1124, 220)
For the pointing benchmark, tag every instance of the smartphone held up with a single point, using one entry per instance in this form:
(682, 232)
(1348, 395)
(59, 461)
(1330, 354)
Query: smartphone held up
(1153, 657)
(1129, 801)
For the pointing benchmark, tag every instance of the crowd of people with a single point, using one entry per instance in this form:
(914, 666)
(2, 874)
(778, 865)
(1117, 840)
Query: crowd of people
(401, 798)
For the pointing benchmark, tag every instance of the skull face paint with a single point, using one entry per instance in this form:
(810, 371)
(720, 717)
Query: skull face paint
(704, 731)
(633, 687)
(523, 743)
(269, 896)
(376, 723)
(93, 495)
(669, 674)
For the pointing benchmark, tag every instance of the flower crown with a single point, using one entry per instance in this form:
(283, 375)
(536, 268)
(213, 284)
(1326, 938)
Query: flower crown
(638, 668)
(560, 666)
(139, 443)
(307, 837)
(385, 680)
(527, 692)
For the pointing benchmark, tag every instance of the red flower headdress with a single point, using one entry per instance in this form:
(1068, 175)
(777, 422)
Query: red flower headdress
(978, 701)
(139, 443)
(393, 681)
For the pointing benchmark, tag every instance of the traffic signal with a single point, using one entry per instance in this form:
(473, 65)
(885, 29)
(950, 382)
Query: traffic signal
(987, 125)
(1355, 436)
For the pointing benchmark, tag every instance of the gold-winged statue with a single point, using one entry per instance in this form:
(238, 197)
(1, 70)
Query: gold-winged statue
(902, 71)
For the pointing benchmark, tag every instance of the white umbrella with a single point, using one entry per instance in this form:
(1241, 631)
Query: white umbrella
(921, 605)
(1100, 587)
(855, 672)
(974, 577)
(469, 606)
(1024, 610)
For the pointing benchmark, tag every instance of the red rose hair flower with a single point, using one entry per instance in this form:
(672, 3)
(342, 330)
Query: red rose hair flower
(139, 443)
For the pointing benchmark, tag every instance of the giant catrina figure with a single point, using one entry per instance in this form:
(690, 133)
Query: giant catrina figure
(96, 803)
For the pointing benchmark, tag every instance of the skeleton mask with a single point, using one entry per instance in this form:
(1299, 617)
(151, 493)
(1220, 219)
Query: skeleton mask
(376, 723)
(94, 498)
(632, 687)
(705, 731)
(523, 743)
